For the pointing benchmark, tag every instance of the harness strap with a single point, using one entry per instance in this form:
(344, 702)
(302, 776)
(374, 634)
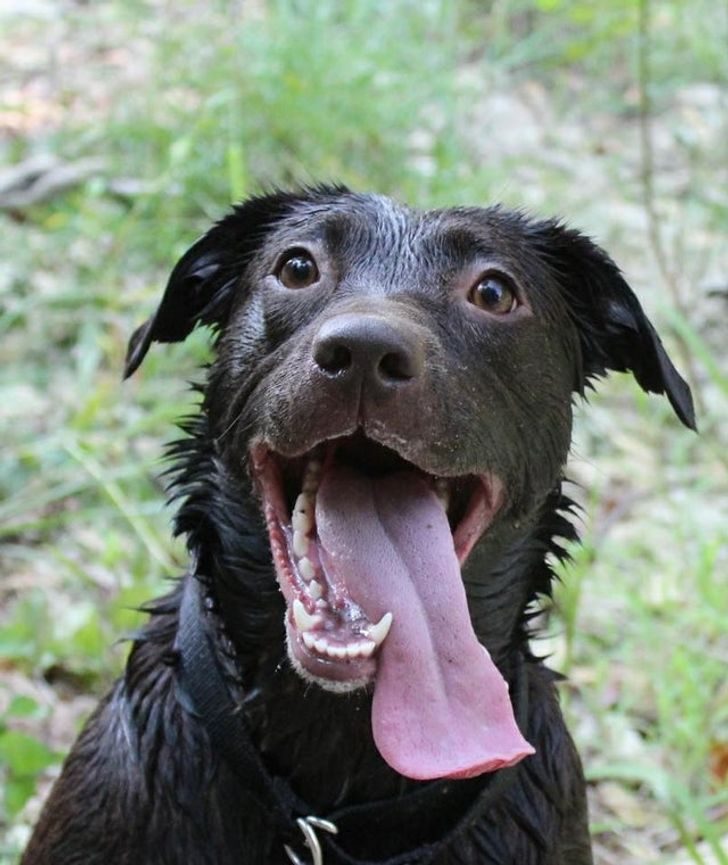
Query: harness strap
(406, 830)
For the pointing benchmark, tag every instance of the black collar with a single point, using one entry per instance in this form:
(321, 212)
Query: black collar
(407, 830)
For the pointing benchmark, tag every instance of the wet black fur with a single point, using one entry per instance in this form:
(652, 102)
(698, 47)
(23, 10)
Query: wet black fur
(141, 786)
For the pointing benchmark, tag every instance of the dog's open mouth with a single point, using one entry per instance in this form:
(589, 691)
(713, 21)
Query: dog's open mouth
(367, 549)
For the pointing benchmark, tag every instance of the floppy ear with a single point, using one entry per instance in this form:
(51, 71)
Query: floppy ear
(614, 332)
(204, 280)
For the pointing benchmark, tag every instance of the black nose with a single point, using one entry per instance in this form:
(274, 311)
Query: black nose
(369, 348)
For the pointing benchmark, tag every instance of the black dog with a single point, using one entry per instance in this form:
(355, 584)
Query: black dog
(370, 495)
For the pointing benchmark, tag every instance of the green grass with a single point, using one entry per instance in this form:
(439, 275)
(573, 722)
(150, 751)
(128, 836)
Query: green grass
(203, 105)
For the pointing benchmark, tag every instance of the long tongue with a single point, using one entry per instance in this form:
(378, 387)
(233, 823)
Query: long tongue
(441, 708)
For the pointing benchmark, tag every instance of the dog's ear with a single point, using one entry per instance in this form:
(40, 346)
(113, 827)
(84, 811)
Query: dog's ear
(204, 280)
(614, 332)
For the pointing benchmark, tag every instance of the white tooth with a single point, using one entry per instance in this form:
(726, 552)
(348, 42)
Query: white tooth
(303, 619)
(378, 632)
(315, 589)
(312, 476)
(352, 650)
(308, 639)
(300, 544)
(306, 568)
(442, 491)
(338, 652)
(321, 645)
(367, 648)
(303, 510)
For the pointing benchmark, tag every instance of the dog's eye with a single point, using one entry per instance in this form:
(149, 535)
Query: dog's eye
(297, 269)
(495, 293)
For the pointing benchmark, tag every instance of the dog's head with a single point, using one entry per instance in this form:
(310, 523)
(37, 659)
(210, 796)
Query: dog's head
(397, 387)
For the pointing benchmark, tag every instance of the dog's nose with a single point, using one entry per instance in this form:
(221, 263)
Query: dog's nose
(369, 348)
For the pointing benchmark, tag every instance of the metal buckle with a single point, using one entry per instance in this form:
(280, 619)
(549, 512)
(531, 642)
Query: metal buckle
(308, 826)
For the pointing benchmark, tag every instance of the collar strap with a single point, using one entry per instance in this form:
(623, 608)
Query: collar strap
(386, 832)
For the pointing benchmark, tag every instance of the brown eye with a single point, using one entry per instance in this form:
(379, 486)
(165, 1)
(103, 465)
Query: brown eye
(494, 293)
(298, 269)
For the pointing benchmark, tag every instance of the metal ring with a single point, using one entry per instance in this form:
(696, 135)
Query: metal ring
(308, 826)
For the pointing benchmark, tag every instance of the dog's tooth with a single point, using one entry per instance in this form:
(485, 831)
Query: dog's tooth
(303, 513)
(442, 491)
(378, 632)
(300, 544)
(303, 619)
(321, 645)
(308, 639)
(315, 589)
(312, 476)
(338, 652)
(366, 648)
(306, 568)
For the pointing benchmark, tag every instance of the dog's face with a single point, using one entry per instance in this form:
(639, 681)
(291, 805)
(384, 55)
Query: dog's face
(397, 386)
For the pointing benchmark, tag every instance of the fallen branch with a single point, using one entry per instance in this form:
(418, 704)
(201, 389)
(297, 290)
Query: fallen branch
(41, 178)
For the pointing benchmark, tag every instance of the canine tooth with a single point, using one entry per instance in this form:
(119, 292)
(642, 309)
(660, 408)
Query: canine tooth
(300, 544)
(315, 589)
(306, 568)
(303, 619)
(303, 513)
(378, 632)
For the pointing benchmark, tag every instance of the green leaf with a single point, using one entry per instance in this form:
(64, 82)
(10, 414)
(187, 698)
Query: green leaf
(24, 707)
(23, 754)
(17, 793)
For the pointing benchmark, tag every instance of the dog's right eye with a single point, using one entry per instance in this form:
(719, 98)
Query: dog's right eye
(297, 269)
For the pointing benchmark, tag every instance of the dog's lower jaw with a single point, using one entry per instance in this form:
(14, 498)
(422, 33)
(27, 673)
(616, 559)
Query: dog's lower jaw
(342, 686)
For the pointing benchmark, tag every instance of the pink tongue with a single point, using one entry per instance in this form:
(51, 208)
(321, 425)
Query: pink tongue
(441, 709)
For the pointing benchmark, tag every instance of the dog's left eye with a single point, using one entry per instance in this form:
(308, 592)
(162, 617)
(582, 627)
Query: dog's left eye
(297, 269)
(495, 293)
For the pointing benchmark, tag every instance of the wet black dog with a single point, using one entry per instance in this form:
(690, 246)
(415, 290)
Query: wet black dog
(370, 494)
